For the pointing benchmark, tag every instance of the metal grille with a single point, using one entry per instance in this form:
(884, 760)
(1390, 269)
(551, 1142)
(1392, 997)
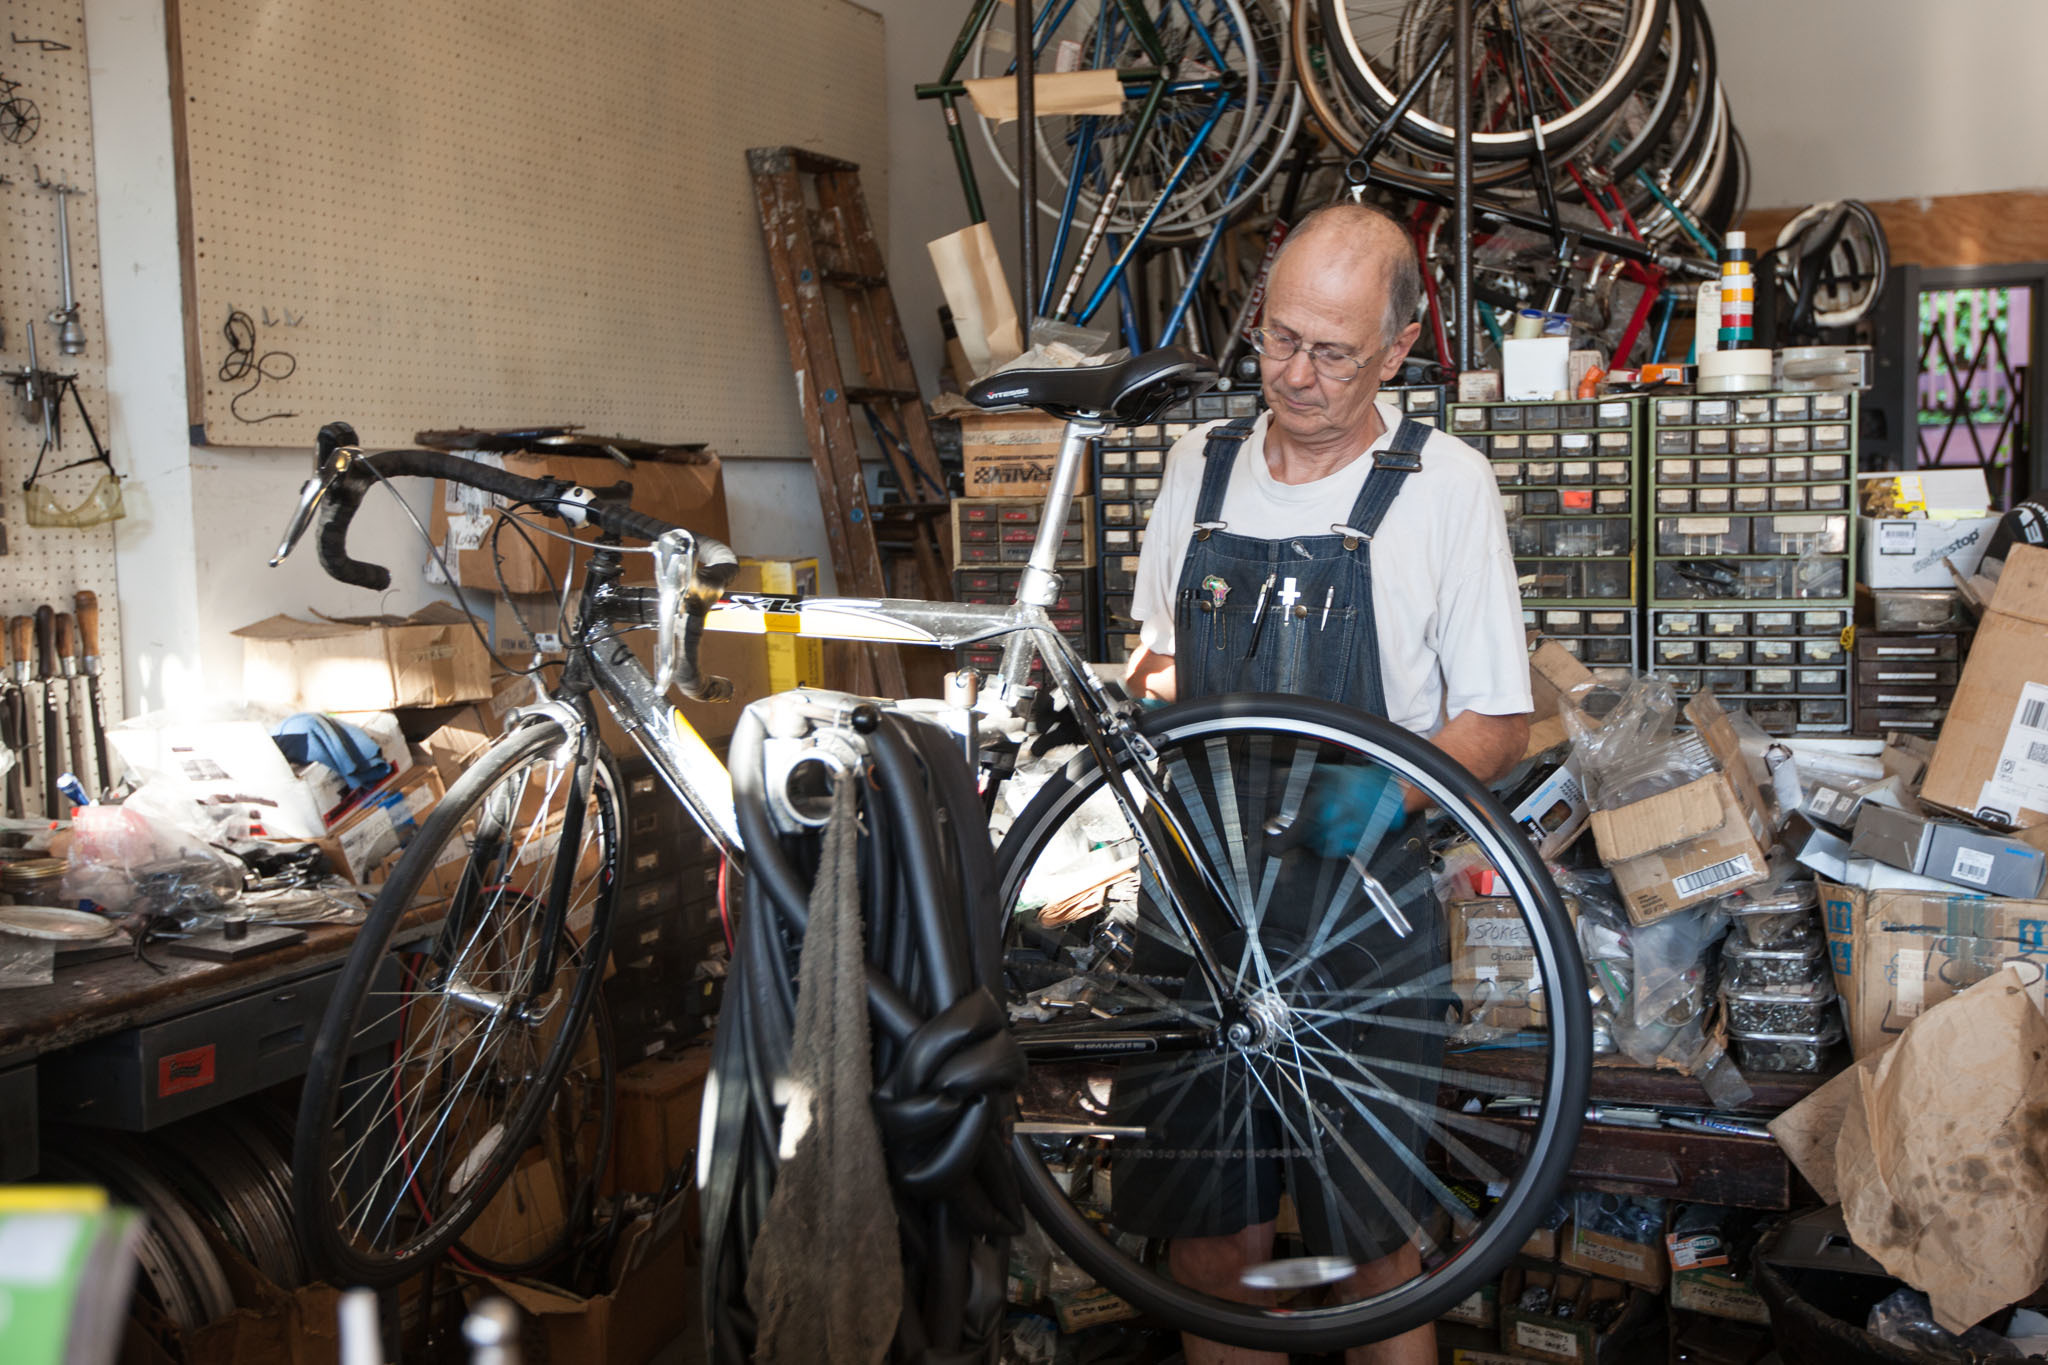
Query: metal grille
(1974, 356)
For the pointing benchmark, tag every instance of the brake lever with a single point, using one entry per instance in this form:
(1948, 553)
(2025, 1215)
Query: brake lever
(310, 494)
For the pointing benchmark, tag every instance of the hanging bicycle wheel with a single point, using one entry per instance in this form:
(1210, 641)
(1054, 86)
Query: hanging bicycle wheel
(1302, 1053)
(1584, 61)
(448, 1036)
(1231, 95)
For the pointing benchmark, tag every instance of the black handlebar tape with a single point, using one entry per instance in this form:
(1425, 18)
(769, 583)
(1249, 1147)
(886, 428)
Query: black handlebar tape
(716, 562)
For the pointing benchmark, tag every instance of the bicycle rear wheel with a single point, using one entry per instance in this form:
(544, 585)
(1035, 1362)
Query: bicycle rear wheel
(443, 1047)
(1317, 1075)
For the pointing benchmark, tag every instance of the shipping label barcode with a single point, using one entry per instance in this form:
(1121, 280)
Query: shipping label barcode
(1973, 866)
(2033, 712)
(1706, 878)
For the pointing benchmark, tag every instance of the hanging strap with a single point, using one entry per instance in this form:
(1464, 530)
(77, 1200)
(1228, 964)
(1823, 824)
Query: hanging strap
(1219, 456)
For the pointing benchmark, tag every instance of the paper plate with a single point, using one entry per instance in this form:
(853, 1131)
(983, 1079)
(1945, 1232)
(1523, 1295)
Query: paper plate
(50, 922)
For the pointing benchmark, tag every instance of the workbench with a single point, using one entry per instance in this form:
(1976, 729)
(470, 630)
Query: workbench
(125, 1044)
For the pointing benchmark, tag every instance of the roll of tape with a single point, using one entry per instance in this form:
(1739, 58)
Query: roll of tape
(1749, 361)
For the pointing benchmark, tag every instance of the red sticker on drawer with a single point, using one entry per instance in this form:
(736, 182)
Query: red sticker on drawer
(182, 1071)
(1577, 500)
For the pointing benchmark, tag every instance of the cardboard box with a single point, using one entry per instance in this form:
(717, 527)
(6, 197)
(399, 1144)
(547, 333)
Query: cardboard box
(1705, 839)
(1897, 954)
(1568, 1340)
(1991, 761)
(1553, 674)
(523, 1216)
(1916, 552)
(1493, 964)
(458, 741)
(1480, 1308)
(1555, 814)
(1012, 454)
(1951, 852)
(363, 841)
(658, 1110)
(653, 1304)
(1713, 1291)
(688, 495)
(365, 663)
(219, 763)
(1597, 1253)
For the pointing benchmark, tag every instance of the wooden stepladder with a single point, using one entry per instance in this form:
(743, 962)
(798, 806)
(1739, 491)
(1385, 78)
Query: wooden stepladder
(821, 247)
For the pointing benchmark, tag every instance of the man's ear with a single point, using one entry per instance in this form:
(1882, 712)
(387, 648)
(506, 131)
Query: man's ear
(1398, 352)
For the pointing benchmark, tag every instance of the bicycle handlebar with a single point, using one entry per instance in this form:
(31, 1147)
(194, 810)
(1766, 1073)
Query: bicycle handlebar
(346, 475)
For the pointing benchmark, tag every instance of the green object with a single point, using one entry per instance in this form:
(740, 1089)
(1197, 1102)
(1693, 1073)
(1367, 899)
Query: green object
(67, 1261)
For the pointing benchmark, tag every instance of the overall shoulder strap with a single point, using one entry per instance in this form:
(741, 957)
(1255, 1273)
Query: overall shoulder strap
(1219, 456)
(1390, 469)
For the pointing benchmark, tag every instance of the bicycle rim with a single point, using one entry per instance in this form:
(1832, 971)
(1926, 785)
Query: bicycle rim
(1227, 30)
(439, 1055)
(1329, 1052)
(1380, 46)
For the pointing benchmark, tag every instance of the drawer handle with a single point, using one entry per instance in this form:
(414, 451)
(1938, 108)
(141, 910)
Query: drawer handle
(284, 997)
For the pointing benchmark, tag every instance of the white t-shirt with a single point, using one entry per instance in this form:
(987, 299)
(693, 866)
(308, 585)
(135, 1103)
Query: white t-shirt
(1444, 590)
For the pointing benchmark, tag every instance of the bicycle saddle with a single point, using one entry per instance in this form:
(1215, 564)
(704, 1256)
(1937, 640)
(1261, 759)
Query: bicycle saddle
(1125, 394)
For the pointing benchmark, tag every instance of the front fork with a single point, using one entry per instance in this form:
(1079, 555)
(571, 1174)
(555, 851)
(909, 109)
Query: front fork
(495, 839)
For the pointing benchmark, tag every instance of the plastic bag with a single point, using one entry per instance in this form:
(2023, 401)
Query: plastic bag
(154, 853)
(26, 961)
(1671, 965)
(1906, 1320)
(1623, 748)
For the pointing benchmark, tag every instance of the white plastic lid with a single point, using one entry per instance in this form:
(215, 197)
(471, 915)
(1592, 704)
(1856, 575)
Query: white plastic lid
(1737, 240)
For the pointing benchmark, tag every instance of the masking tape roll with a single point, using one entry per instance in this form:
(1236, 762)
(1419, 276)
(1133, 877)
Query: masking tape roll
(1749, 361)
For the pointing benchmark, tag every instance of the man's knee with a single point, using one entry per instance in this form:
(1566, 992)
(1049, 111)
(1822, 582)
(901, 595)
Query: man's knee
(1216, 1265)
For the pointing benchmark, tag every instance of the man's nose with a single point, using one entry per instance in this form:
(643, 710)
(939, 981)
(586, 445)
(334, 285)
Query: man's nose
(1299, 370)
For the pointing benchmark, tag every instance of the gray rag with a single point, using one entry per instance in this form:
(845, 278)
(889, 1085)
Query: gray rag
(826, 1279)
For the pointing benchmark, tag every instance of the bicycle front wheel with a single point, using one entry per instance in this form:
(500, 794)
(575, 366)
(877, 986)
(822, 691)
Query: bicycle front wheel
(1362, 1053)
(450, 1033)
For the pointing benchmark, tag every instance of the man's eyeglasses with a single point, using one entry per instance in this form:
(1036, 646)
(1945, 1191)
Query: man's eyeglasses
(1332, 362)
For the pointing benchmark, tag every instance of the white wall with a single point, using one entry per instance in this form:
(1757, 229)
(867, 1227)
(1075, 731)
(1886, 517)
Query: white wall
(1885, 99)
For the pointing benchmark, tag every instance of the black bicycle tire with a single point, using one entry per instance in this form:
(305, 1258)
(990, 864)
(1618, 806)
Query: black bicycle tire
(572, 1215)
(1696, 63)
(1564, 1097)
(328, 1253)
(1563, 136)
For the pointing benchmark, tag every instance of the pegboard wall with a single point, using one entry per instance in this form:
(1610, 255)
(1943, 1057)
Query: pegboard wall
(439, 213)
(50, 564)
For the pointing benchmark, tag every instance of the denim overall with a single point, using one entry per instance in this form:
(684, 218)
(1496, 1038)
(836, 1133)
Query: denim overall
(1318, 637)
(1196, 1188)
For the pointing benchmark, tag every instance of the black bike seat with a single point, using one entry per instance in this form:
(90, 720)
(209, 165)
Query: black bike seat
(1127, 393)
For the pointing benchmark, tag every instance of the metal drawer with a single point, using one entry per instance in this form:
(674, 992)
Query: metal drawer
(142, 1078)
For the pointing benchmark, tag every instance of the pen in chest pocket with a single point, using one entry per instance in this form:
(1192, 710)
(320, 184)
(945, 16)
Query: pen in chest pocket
(1259, 616)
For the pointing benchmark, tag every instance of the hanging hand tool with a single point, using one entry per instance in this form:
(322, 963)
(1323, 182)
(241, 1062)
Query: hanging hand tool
(74, 722)
(88, 606)
(21, 644)
(70, 336)
(11, 712)
(53, 731)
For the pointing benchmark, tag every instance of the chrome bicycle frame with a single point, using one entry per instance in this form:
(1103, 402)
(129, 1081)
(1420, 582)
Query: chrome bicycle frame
(699, 780)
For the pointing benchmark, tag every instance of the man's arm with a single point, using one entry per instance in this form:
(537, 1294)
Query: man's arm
(1486, 746)
(1151, 675)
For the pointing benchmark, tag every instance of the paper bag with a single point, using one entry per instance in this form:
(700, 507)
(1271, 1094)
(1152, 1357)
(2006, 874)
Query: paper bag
(984, 312)
(1943, 1165)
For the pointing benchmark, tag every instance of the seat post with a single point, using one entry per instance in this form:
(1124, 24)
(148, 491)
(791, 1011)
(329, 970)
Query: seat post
(1040, 584)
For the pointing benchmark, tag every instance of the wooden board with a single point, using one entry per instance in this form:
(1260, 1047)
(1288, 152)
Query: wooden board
(1961, 229)
(532, 211)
